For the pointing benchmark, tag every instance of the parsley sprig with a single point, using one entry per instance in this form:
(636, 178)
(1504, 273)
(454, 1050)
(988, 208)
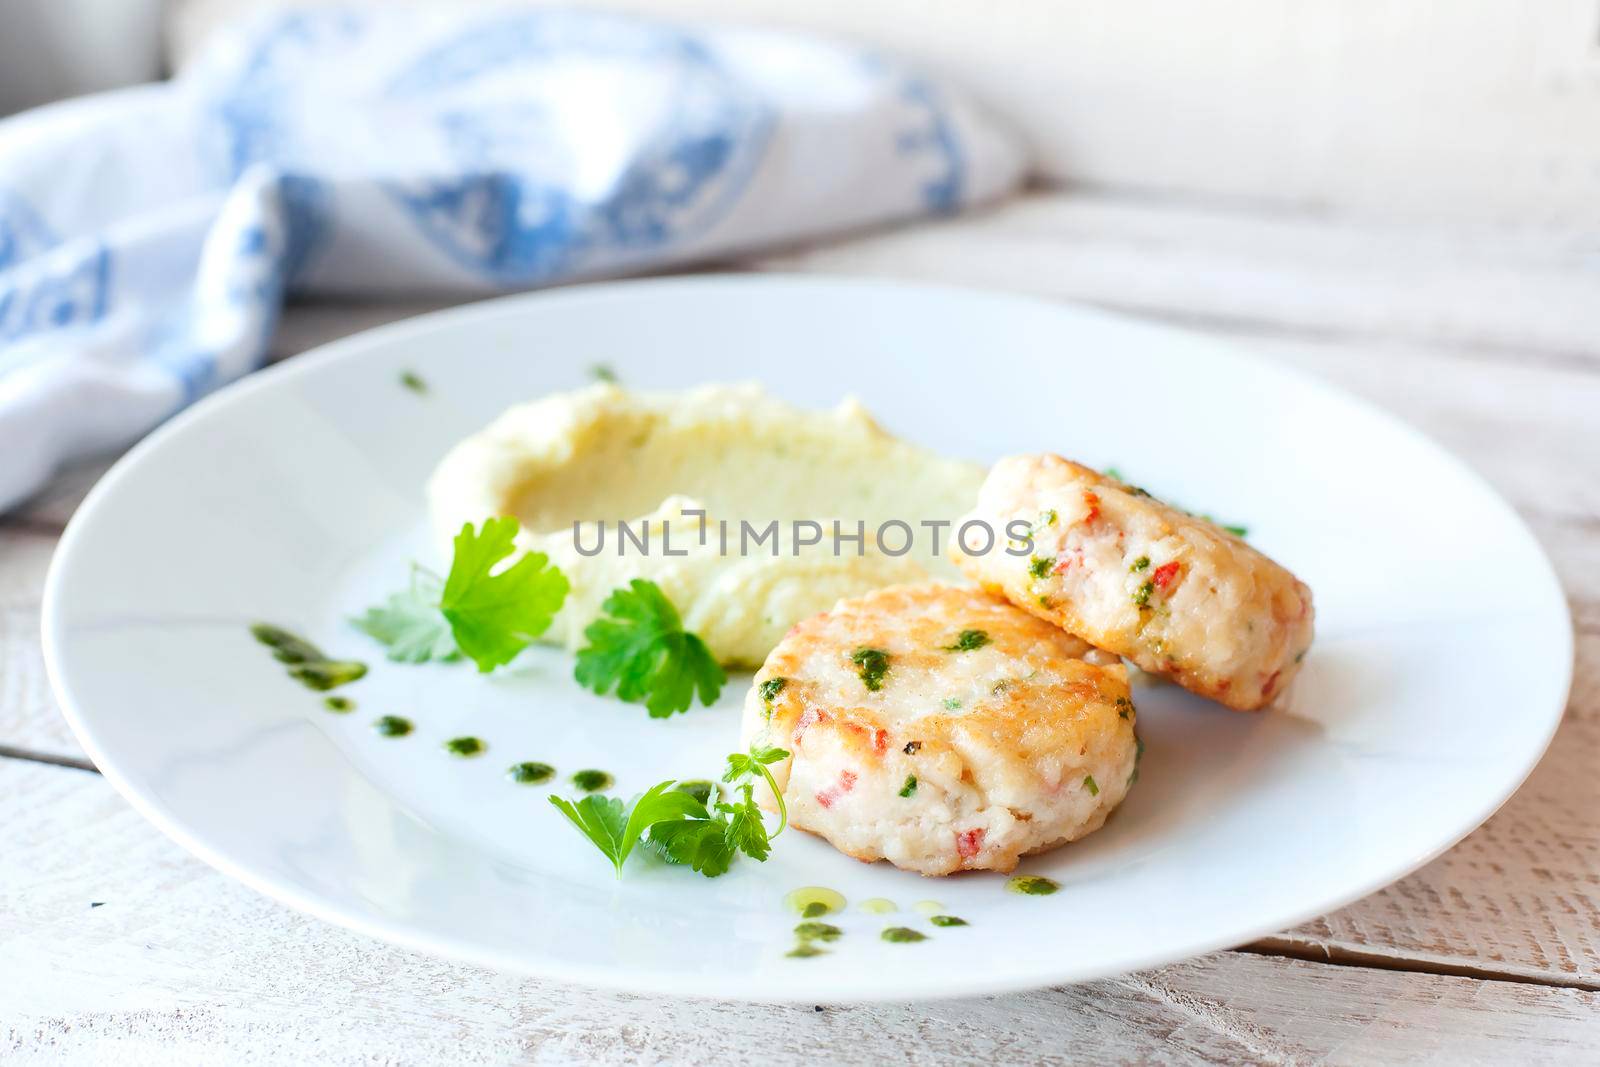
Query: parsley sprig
(641, 648)
(487, 615)
(708, 846)
(743, 767)
(411, 624)
(681, 828)
(615, 829)
(496, 615)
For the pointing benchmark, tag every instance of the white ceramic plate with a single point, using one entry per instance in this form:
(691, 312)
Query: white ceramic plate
(1440, 669)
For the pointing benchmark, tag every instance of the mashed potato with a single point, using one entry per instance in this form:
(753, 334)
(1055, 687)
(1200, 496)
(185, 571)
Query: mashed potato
(732, 452)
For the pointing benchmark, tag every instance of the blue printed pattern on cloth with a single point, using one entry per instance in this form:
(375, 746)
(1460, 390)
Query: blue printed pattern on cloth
(39, 292)
(515, 212)
(376, 151)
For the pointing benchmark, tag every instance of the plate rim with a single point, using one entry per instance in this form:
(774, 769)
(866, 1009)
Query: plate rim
(712, 985)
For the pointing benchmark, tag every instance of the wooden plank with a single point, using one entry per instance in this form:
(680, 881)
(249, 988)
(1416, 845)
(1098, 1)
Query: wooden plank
(49, 510)
(182, 965)
(29, 721)
(24, 558)
(1519, 897)
(1527, 426)
(1513, 294)
(28, 717)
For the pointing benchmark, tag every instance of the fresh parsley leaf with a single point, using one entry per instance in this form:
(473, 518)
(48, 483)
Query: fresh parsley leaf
(709, 844)
(745, 831)
(496, 615)
(660, 803)
(602, 819)
(675, 822)
(615, 829)
(642, 648)
(742, 765)
(487, 616)
(411, 624)
(699, 844)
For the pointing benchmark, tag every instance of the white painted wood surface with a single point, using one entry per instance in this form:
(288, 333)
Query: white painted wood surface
(180, 966)
(1489, 954)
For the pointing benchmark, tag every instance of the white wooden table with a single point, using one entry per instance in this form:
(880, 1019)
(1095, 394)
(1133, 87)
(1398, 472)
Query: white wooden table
(116, 946)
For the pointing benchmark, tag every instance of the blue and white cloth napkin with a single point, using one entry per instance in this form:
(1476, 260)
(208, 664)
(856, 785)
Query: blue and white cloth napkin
(149, 237)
